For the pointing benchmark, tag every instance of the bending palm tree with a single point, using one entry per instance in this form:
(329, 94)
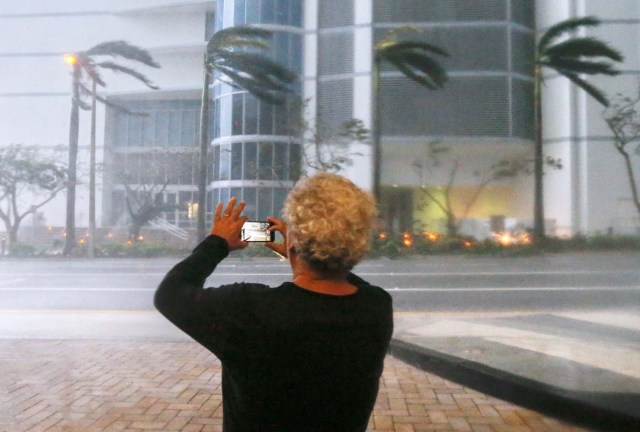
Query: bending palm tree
(87, 65)
(415, 60)
(239, 55)
(570, 58)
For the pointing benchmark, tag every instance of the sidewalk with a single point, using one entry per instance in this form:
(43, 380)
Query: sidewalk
(101, 371)
(582, 367)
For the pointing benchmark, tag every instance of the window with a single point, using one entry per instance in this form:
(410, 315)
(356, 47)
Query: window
(266, 118)
(225, 160)
(267, 11)
(171, 123)
(295, 160)
(265, 205)
(239, 16)
(236, 161)
(236, 114)
(249, 197)
(282, 12)
(250, 115)
(280, 161)
(265, 161)
(250, 161)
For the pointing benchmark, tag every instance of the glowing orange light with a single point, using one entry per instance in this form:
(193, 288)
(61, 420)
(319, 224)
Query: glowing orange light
(49, 228)
(141, 237)
(82, 241)
(505, 239)
(431, 236)
(525, 239)
(70, 59)
(407, 240)
(129, 242)
(382, 235)
(467, 244)
(109, 235)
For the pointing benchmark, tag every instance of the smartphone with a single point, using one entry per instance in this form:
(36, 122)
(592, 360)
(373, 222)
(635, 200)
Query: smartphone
(256, 231)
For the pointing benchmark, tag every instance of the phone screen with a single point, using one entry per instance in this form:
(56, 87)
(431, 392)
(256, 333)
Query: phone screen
(256, 231)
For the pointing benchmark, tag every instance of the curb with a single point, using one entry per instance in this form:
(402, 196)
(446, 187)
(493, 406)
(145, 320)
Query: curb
(570, 406)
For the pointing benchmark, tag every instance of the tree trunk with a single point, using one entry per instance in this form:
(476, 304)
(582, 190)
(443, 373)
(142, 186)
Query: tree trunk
(452, 225)
(134, 231)
(13, 235)
(204, 147)
(538, 162)
(635, 197)
(70, 228)
(92, 175)
(377, 130)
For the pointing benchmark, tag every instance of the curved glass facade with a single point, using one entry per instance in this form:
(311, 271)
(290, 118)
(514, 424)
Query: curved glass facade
(256, 154)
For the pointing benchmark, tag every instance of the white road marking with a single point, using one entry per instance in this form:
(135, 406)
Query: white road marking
(394, 289)
(12, 281)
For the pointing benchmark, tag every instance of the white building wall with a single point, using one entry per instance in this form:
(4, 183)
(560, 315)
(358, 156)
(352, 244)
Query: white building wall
(591, 193)
(361, 172)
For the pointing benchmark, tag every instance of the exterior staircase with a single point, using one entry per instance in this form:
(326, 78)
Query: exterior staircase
(170, 228)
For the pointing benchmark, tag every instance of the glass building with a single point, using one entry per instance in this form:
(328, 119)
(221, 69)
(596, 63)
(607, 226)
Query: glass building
(256, 154)
(483, 113)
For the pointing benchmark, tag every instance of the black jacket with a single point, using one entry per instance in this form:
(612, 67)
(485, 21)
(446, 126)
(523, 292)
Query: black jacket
(292, 359)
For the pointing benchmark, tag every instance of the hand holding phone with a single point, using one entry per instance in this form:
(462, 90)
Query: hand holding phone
(257, 231)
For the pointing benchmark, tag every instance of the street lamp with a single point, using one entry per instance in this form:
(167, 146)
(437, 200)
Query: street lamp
(70, 59)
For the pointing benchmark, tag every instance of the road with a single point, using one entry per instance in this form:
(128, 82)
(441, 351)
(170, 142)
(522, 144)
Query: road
(438, 284)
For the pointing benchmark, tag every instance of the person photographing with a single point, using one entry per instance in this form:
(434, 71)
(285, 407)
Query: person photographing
(306, 355)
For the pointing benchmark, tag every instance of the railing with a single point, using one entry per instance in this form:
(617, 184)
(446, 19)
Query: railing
(169, 228)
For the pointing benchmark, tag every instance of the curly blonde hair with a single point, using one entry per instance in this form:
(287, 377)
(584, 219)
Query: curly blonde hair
(329, 221)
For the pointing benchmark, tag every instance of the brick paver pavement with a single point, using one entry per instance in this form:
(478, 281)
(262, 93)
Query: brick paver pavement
(89, 385)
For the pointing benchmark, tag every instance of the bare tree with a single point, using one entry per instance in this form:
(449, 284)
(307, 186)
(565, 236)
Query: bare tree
(326, 149)
(28, 181)
(435, 160)
(144, 203)
(623, 120)
(145, 187)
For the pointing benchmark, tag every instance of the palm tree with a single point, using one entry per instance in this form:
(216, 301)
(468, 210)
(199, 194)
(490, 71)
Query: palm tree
(239, 55)
(415, 59)
(570, 58)
(87, 65)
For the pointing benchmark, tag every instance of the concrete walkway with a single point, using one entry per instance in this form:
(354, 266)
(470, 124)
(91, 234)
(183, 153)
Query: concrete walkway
(133, 371)
(115, 385)
(582, 367)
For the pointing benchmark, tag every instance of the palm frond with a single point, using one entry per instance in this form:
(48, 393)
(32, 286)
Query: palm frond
(581, 66)
(128, 71)
(565, 26)
(409, 45)
(89, 67)
(239, 53)
(596, 93)
(252, 86)
(237, 37)
(120, 48)
(583, 47)
(424, 80)
(255, 64)
(86, 92)
(426, 65)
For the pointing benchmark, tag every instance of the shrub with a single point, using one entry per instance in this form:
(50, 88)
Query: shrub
(21, 250)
